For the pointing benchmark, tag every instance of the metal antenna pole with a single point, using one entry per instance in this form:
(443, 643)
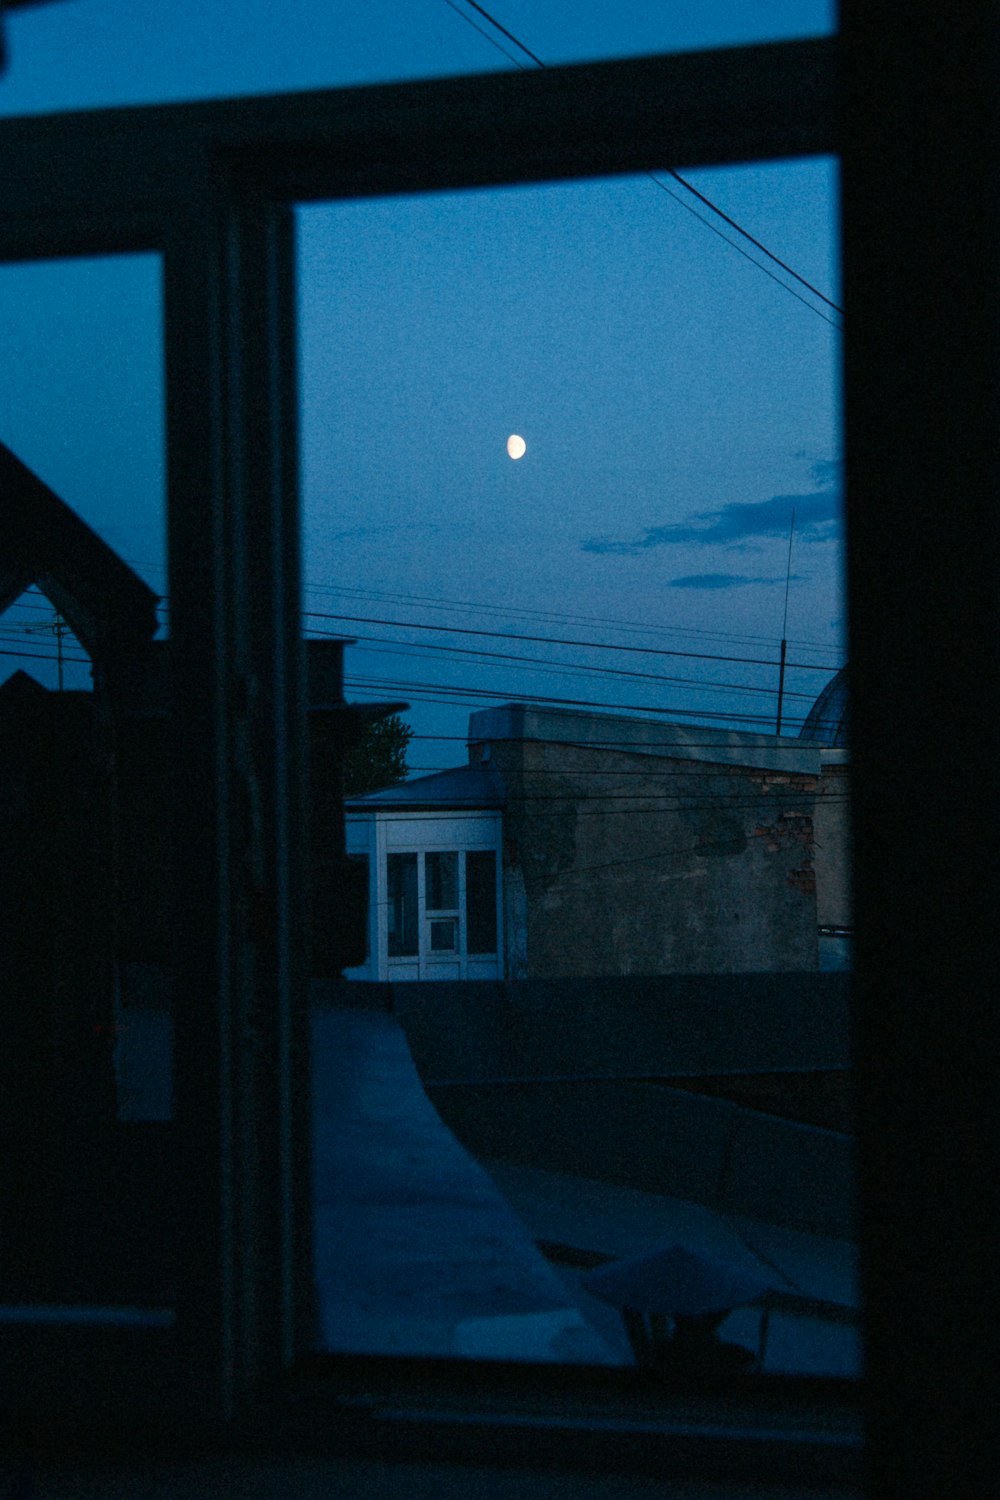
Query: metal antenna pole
(60, 630)
(784, 624)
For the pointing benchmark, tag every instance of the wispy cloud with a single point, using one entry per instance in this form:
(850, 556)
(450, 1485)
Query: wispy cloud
(817, 519)
(391, 529)
(724, 580)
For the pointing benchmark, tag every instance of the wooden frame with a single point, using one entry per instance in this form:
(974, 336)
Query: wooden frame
(210, 187)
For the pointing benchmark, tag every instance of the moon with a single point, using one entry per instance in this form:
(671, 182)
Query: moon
(516, 446)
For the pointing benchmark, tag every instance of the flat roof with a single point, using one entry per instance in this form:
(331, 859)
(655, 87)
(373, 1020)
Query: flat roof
(638, 736)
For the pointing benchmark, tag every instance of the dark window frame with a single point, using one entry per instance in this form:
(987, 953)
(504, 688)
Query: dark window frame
(210, 187)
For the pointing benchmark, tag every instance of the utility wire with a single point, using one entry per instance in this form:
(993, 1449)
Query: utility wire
(454, 693)
(552, 640)
(748, 236)
(491, 39)
(508, 34)
(431, 601)
(678, 178)
(466, 739)
(538, 663)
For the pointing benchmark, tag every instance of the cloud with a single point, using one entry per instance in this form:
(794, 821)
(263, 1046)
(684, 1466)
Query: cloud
(723, 580)
(353, 533)
(817, 519)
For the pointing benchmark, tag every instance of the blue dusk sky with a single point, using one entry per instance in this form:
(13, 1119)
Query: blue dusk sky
(677, 398)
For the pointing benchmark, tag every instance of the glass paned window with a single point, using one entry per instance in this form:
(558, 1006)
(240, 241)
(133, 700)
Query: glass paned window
(444, 935)
(481, 901)
(441, 870)
(402, 897)
(603, 568)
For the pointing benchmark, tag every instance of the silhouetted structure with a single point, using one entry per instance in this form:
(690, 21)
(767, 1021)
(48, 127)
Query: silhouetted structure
(87, 870)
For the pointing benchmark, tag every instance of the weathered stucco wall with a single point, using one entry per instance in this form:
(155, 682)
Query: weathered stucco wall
(833, 855)
(635, 863)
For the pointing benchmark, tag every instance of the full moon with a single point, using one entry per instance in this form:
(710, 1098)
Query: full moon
(516, 446)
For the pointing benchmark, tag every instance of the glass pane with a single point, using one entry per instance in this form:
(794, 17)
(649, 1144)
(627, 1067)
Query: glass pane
(442, 881)
(402, 899)
(444, 935)
(110, 52)
(572, 488)
(481, 900)
(86, 859)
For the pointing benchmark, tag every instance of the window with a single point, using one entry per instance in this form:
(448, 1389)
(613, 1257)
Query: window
(481, 900)
(441, 875)
(670, 392)
(403, 918)
(920, 402)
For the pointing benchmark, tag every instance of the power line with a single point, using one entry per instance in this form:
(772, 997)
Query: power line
(538, 663)
(669, 802)
(445, 693)
(45, 656)
(492, 40)
(676, 175)
(748, 236)
(632, 859)
(552, 640)
(430, 601)
(466, 739)
(508, 34)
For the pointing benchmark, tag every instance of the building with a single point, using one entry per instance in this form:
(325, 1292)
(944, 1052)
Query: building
(827, 727)
(604, 845)
(90, 867)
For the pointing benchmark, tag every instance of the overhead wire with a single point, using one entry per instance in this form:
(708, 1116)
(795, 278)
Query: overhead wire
(538, 663)
(552, 640)
(683, 181)
(430, 601)
(454, 693)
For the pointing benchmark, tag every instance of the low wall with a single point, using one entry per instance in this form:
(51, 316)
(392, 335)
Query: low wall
(663, 1140)
(669, 1026)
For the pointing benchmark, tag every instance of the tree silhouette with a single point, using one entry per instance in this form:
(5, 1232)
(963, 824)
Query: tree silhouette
(379, 758)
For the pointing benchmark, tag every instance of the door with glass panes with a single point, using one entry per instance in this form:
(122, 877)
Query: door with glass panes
(442, 914)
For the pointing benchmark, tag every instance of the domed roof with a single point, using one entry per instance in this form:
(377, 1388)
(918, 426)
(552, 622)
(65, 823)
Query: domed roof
(828, 721)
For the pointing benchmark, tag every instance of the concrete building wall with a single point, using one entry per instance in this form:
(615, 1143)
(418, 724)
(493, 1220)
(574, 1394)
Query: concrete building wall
(634, 861)
(833, 854)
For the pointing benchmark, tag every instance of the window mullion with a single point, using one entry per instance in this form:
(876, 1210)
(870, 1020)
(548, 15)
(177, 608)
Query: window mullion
(237, 643)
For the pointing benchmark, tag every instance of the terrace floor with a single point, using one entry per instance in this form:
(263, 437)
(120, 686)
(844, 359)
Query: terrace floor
(422, 1249)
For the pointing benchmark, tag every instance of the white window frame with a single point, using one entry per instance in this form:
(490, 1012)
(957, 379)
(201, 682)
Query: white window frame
(386, 831)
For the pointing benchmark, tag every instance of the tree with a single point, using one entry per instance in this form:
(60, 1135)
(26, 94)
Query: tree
(379, 757)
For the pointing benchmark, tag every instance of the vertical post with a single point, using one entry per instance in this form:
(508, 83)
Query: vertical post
(784, 623)
(60, 629)
(922, 357)
(240, 991)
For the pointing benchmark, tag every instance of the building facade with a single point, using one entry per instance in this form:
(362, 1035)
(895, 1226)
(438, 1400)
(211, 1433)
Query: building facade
(620, 846)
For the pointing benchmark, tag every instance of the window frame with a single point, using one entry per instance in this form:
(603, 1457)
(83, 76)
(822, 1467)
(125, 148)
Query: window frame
(209, 186)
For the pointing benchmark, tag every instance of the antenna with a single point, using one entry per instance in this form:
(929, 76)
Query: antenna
(784, 623)
(56, 626)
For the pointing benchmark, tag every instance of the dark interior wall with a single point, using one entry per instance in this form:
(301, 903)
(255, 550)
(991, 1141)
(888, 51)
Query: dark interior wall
(56, 1061)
